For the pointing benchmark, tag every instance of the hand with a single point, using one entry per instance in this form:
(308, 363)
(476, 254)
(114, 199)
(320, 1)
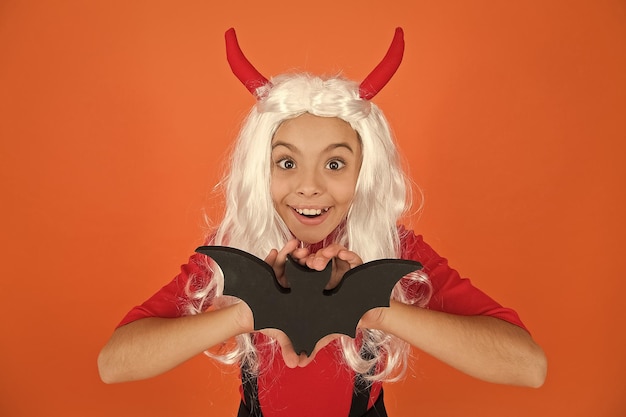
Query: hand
(245, 321)
(374, 318)
(343, 260)
(277, 259)
(290, 356)
(304, 360)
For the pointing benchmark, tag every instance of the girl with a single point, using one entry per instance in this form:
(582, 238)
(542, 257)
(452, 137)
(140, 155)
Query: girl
(315, 174)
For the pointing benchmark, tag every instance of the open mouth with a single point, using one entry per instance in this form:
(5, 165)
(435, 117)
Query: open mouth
(311, 213)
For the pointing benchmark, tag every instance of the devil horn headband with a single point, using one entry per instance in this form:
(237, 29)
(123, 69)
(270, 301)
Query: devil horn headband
(369, 87)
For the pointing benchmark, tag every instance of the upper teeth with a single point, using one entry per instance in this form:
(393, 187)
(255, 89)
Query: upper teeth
(310, 212)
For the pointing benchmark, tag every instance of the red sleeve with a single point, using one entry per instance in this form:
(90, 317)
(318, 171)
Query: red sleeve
(170, 301)
(451, 293)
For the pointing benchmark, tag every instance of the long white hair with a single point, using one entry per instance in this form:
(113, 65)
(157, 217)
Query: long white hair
(381, 197)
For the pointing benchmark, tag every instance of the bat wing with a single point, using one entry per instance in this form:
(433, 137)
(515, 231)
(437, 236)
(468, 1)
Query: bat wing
(362, 288)
(253, 281)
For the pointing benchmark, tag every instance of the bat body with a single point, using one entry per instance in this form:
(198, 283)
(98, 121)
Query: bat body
(307, 312)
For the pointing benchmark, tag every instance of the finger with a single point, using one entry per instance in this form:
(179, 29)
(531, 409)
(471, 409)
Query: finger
(320, 259)
(317, 261)
(290, 356)
(331, 250)
(271, 257)
(289, 247)
(343, 262)
(305, 360)
(281, 259)
(300, 255)
(340, 268)
(351, 258)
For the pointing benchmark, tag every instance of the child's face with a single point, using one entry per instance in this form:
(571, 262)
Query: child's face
(315, 165)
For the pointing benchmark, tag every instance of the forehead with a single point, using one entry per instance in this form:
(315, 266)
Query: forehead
(308, 127)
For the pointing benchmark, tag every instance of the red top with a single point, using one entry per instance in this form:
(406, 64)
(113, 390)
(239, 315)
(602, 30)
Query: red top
(325, 386)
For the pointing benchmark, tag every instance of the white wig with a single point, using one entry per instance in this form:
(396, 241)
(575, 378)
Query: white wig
(252, 224)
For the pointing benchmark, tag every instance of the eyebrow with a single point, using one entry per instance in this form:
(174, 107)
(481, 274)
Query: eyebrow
(330, 147)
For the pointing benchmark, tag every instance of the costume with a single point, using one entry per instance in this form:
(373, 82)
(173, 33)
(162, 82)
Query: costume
(325, 387)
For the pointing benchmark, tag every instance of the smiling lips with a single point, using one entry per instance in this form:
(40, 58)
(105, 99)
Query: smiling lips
(311, 212)
(306, 215)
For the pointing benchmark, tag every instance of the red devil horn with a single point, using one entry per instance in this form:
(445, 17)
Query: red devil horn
(383, 72)
(239, 64)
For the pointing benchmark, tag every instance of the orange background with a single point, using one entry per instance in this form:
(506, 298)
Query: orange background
(115, 117)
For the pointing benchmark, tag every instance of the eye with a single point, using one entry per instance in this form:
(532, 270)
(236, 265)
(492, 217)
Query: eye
(335, 164)
(286, 163)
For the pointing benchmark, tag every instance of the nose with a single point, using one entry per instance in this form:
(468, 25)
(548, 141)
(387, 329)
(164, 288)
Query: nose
(309, 183)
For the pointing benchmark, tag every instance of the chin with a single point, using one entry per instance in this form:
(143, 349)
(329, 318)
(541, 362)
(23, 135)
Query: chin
(311, 238)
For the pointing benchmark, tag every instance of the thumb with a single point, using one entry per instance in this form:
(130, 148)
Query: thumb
(271, 257)
(289, 354)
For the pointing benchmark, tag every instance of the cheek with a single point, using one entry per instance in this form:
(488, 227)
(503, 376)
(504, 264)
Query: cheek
(345, 192)
(274, 193)
(277, 189)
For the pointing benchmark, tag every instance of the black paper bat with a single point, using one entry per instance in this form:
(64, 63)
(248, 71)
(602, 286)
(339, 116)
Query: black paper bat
(307, 312)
